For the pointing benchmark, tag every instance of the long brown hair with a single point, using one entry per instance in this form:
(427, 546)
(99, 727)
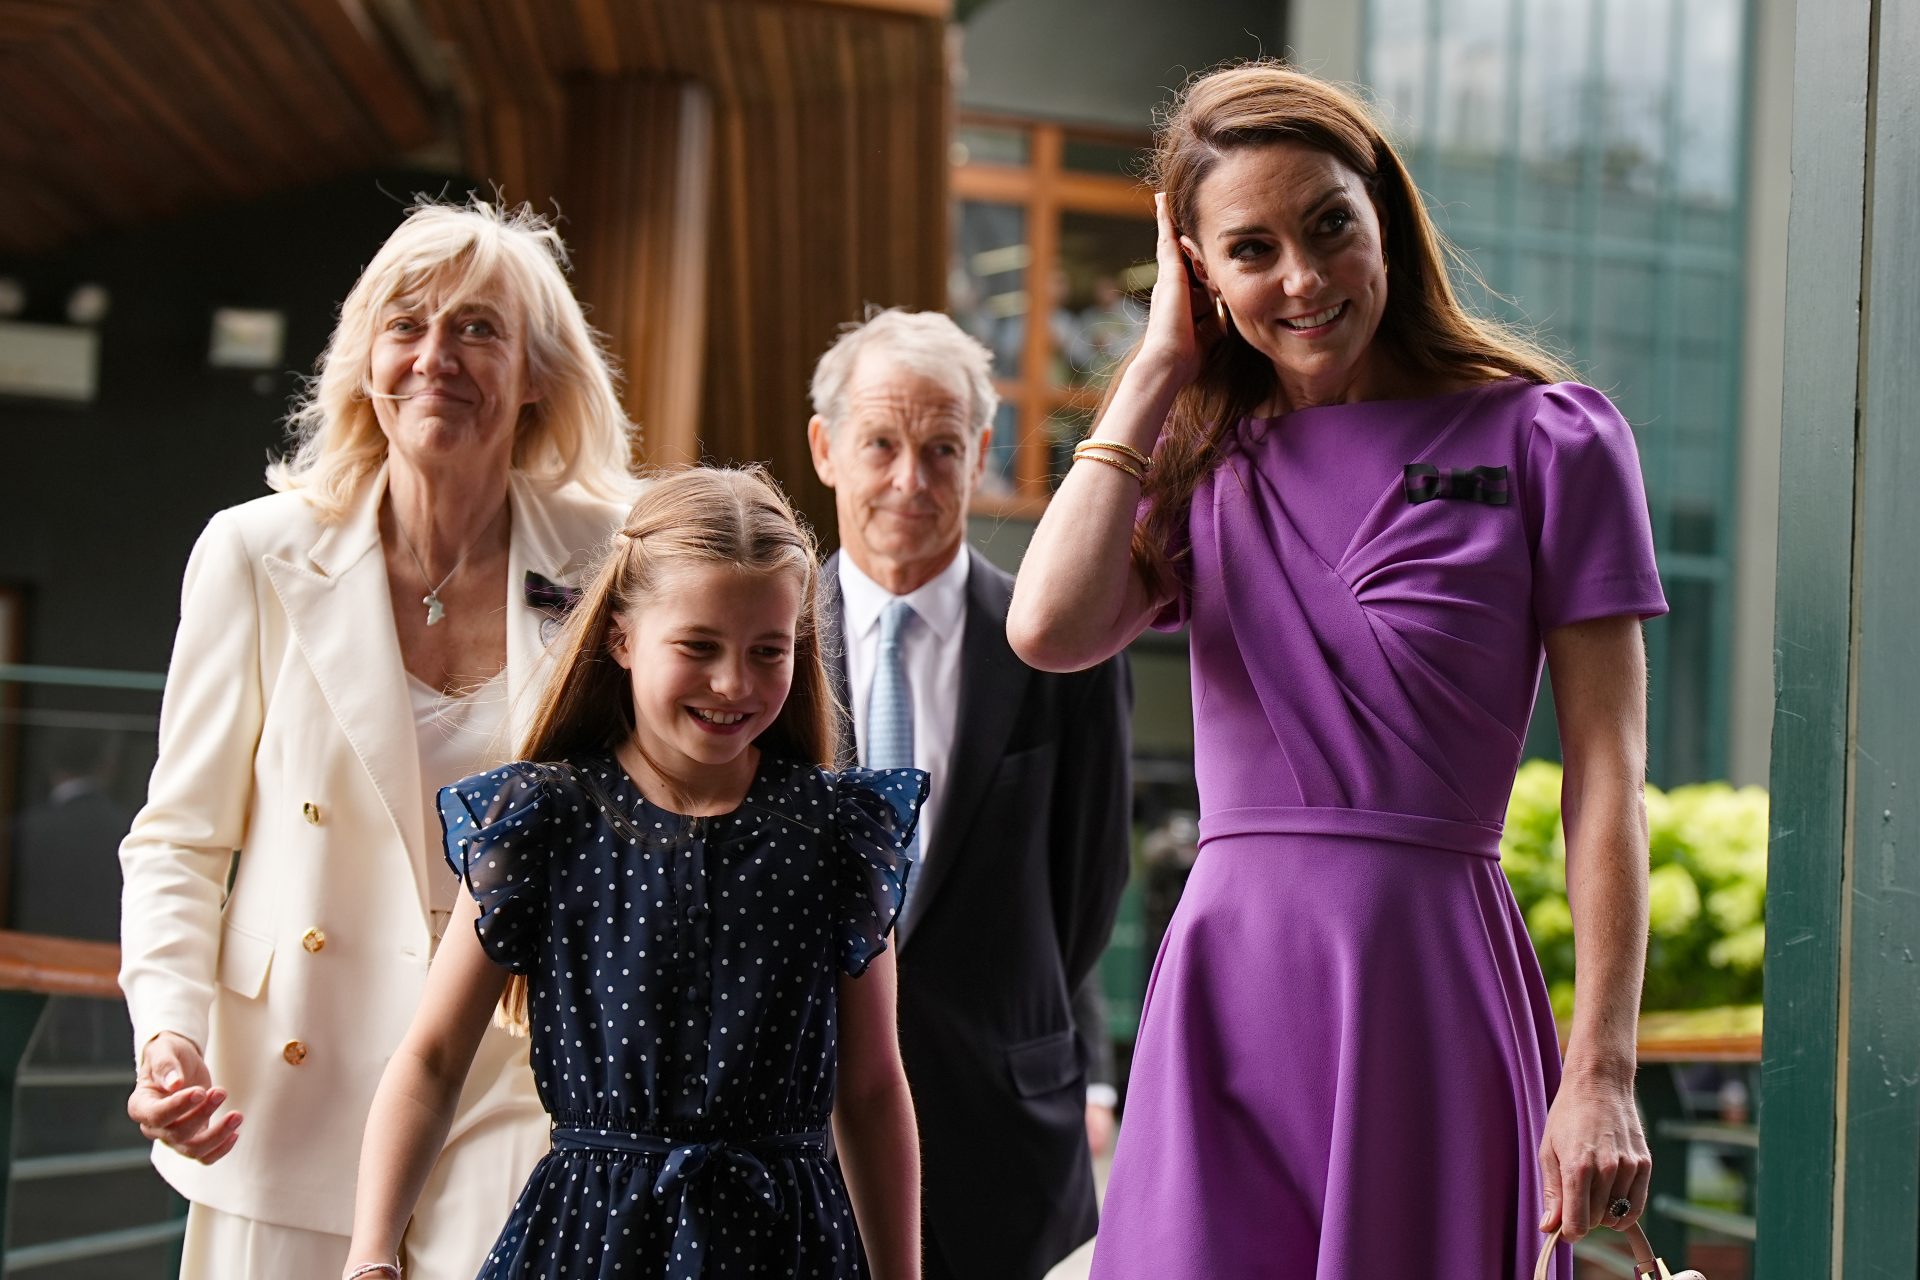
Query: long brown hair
(734, 517)
(1257, 104)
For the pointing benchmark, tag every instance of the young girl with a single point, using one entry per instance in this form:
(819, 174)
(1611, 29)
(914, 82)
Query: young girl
(695, 911)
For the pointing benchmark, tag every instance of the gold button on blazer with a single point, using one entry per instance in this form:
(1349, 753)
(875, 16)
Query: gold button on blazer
(286, 684)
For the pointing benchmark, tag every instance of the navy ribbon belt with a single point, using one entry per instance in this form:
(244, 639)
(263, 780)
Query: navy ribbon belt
(688, 1164)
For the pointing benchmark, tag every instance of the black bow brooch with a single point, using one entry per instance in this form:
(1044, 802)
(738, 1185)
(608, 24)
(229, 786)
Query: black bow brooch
(1425, 482)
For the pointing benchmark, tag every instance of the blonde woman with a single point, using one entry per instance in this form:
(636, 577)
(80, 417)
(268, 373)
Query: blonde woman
(372, 631)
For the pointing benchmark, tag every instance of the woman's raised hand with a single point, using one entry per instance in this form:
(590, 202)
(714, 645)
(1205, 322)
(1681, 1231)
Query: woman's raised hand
(1177, 330)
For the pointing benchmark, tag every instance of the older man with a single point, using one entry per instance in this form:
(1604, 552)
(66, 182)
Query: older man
(1023, 848)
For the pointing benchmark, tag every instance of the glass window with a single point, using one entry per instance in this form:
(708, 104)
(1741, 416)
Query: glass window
(1072, 237)
(1587, 154)
(1551, 138)
(1634, 116)
(1398, 62)
(987, 286)
(1092, 155)
(1100, 295)
(1003, 445)
(1709, 163)
(1687, 699)
(977, 143)
(1470, 122)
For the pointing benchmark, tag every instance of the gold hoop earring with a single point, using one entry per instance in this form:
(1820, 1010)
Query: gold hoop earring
(1220, 309)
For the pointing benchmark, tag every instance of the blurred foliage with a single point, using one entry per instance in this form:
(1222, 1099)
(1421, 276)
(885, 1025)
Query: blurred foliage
(1706, 892)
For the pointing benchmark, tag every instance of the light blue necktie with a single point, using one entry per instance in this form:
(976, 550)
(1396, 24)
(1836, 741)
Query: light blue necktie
(890, 711)
(890, 701)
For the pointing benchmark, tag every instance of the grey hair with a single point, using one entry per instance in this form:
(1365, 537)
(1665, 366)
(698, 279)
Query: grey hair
(927, 342)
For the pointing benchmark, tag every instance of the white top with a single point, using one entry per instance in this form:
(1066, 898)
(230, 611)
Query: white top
(930, 646)
(458, 737)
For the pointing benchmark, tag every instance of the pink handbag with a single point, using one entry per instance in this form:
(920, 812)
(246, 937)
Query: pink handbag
(1645, 1264)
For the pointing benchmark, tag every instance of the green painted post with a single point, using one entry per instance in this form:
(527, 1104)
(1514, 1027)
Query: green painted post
(1812, 649)
(1840, 1097)
(1880, 1228)
(19, 1015)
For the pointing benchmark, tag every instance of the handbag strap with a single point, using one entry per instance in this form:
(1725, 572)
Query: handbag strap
(1645, 1263)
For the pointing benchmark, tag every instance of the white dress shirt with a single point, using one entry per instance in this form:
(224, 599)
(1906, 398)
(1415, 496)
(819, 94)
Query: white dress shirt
(930, 647)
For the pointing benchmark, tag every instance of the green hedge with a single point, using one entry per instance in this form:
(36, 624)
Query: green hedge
(1707, 890)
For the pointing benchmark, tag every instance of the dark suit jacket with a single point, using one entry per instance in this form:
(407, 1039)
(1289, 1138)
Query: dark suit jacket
(1014, 911)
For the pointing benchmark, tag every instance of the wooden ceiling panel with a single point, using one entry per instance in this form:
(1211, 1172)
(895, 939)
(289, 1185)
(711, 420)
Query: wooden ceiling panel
(132, 110)
(27, 22)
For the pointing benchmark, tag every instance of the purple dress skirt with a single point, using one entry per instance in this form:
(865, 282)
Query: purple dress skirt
(1347, 1051)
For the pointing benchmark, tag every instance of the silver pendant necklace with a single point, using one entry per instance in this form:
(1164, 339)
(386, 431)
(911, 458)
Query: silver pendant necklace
(436, 609)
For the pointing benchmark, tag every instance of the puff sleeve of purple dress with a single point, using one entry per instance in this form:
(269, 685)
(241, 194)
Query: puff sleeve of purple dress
(1347, 1051)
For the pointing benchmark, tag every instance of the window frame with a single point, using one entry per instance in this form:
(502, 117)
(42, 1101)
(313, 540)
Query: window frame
(1046, 191)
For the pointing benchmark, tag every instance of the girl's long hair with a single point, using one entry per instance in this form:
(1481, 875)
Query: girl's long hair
(738, 518)
(1425, 323)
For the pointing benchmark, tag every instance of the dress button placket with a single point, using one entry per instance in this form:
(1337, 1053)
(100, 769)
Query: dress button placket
(692, 1020)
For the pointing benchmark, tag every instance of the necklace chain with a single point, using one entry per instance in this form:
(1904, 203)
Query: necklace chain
(436, 610)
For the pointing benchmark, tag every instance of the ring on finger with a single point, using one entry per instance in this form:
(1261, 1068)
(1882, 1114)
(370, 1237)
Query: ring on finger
(1619, 1208)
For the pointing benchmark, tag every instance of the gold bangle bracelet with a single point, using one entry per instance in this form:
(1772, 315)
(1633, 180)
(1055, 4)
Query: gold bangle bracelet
(1114, 446)
(1115, 463)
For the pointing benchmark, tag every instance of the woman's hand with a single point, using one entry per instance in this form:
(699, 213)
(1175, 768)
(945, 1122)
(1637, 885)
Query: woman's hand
(1592, 1155)
(174, 1099)
(1180, 312)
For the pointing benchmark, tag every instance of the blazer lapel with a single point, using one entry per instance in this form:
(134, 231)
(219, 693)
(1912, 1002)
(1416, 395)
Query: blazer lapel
(341, 615)
(537, 545)
(993, 685)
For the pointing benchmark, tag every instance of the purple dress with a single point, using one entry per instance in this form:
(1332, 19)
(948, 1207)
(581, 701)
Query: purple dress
(1347, 1050)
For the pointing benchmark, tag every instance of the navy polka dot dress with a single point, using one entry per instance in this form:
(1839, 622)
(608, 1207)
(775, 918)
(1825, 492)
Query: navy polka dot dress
(681, 993)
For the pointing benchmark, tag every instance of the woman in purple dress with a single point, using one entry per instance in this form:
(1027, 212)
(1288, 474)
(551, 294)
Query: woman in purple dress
(1377, 513)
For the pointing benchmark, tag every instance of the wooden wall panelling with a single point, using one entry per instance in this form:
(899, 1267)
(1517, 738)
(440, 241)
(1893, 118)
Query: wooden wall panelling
(599, 37)
(853, 213)
(637, 205)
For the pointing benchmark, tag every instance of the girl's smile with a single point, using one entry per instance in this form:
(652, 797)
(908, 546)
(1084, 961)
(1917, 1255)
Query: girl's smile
(710, 662)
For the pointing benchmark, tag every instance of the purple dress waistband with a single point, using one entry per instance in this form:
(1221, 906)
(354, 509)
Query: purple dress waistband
(1480, 839)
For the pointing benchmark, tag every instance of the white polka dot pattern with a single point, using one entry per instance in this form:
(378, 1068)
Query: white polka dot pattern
(681, 981)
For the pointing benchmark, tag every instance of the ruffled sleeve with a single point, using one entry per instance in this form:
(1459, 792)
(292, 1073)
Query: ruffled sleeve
(1586, 513)
(497, 830)
(874, 816)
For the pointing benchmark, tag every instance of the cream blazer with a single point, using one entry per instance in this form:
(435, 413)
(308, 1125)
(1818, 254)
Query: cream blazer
(286, 735)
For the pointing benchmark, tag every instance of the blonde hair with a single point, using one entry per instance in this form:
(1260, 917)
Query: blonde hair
(733, 517)
(1428, 327)
(577, 431)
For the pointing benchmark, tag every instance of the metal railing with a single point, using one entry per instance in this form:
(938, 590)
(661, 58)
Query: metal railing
(35, 972)
(78, 1196)
(1682, 1125)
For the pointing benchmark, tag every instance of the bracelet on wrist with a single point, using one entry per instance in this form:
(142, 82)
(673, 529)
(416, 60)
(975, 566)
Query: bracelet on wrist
(388, 1269)
(1092, 446)
(1115, 463)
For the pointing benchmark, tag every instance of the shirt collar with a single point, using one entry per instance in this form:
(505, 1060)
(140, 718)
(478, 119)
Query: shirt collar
(940, 601)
